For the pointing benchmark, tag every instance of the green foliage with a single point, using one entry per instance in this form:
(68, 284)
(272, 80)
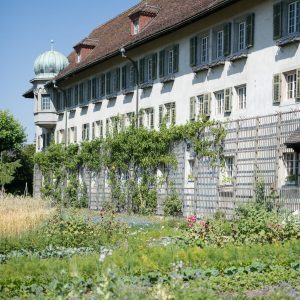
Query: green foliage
(172, 205)
(131, 158)
(253, 224)
(7, 171)
(24, 174)
(12, 134)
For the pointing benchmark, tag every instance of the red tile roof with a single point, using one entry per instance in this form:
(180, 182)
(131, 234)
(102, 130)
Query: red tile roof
(116, 33)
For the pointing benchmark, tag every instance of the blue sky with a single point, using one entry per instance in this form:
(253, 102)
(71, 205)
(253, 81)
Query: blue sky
(26, 28)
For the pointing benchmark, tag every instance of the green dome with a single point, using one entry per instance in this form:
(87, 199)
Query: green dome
(49, 64)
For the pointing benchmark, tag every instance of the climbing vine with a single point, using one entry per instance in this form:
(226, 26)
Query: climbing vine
(130, 159)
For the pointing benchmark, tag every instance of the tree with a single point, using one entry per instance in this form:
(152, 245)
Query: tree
(12, 136)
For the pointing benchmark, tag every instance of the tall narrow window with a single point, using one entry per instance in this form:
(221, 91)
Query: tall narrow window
(242, 97)
(220, 102)
(171, 61)
(85, 132)
(294, 17)
(149, 69)
(242, 36)
(204, 50)
(136, 26)
(45, 102)
(291, 86)
(292, 167)
(220, 43)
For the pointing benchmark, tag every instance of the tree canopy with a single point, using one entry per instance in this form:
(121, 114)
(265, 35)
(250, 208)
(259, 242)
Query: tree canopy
(12, 134)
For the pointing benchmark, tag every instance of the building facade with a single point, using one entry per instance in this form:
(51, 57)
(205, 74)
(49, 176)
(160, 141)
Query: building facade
(230, 60)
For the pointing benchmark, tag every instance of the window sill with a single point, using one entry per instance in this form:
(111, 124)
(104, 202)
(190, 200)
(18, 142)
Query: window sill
(95, 101)
(146, 85)
(217, 63)
(128, 91)
(238, 56)
(71, 109)
(112, 96)
(289, 39)
(200, 68)
(83, 105)
(168, 78)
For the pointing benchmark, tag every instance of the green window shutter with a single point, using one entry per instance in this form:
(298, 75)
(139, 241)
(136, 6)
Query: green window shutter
(298, 85)
(162, 63)
(154, 66)
(108, 77)
(118, 78)
(228, 100)
(227, 39)
(193, 51)
(277, 88)
(250, 21)
(173, 113)
(152, 118)
(102, 92)
(124, 77)
(192, 109)
(176, 59)
(142, 70)
(207, 104)
(160, 114)
(277, 21)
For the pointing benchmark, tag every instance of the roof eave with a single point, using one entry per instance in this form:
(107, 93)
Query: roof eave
(151, 37)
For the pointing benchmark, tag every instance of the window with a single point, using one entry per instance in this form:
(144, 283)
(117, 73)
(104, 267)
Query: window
(85, 132)
(136, 26)
(78, 57)
(191, 167)
(242, 36)
(220, 43)
(94, 88)
(148, 69)
(220, 102)
(227, 174)
(46, 102)
(242, 96)
(204, 50)
(130, 119)
(204, 104)
(169, 61)
(167, 112)
(200, 106)
(72, 135)
(76, 95)
(199, 51)
(294, 17)
(93, 130)
(113, 81)
(286, 86)
(292, 167)
(149, 118)
(62, 136)
(286, 18)
(81, 93)
(291, 85)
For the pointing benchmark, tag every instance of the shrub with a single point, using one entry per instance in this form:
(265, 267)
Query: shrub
(172, 205)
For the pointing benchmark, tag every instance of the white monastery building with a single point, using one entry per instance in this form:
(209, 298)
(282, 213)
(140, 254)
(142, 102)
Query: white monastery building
(236, 61)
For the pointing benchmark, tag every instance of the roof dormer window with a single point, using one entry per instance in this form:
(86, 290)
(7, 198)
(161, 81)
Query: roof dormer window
(78, 58)
(136, 26)
(141, 16)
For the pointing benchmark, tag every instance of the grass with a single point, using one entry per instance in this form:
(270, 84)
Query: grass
(21, 214)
